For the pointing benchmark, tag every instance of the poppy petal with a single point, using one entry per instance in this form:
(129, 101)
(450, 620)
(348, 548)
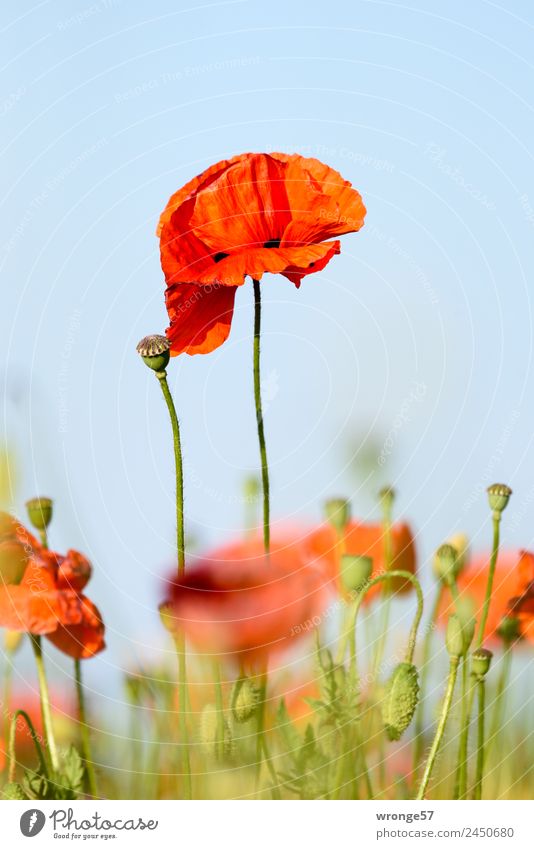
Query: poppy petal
(82, 640)
(201, 317)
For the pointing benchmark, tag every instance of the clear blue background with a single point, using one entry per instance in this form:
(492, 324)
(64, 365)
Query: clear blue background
(414, 346)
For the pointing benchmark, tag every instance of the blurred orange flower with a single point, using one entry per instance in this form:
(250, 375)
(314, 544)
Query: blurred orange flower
(252, 214)
(366, 539)
(40, 593)
(513, 590)
(238, 604)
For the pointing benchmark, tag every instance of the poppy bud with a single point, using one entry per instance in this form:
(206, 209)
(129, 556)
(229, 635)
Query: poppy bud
(155, 351)
(209, 730)
(459, 634)
(244, 700)
(400, 700)
(337, 512)
(167, 618)
(40, 512)
(13, 562)
(460, 542)
(480, 662)
(509, 630)
(355, 571)
(446, 563)
(498, 496)
(12, 641)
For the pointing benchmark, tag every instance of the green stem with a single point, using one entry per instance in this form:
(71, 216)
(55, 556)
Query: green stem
(464, 734)
(12, 744)
(489, 584)
(259, 419)
(440, 730)
(386, 606)
(45, 701)
(498, 709)
(425, 667)
(481, 690)
(84, 730)
(180, 546)
(461, 766)
(219, 704)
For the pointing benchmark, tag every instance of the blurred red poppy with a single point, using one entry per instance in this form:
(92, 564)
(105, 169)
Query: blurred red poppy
(512, 593)
(238, 604)
(366, 539)
(40, 593)
(248, 215)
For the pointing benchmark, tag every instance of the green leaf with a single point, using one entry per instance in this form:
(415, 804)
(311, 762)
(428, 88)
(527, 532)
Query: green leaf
(14, 791)
(72, 770)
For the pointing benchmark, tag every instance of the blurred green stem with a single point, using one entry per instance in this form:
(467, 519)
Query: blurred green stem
(179, 640)
(45, 701)
(481, 690)
(425, 668)
(84, 730)
(440, 730)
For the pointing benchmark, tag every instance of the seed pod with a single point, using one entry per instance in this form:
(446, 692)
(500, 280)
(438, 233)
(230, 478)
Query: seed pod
(40, 512)
(400, 700)
(480, 662)
(244, 700)
(498, 496)
(155, 352)
(337, 513)
(355, 571)
(509, 629)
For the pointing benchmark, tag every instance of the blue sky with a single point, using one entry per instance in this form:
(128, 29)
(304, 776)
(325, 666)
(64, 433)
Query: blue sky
(415, 343)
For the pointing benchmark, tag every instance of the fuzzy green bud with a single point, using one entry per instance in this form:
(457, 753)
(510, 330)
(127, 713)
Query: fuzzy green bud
(244, 700)
(155, 352)
(446, 563)
(459, 634)
(40, 512)
(209, 733)
(498, 497)
(337, 513)
(399, 703)
(480, 662)
(355, 571)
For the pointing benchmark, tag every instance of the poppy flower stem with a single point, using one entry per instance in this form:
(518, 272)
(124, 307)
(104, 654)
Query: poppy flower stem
(180, 546)
(259, 419)
(481, 692)
(45, 701)
(84, 729)
(440, 730)
(425, 668)
(12, 744)
(498, 710)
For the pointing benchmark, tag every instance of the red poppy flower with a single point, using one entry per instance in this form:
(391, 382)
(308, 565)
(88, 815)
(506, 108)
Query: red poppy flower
(248, 215)
(369, 540)
(512, 593)
(42, 595)
(237, 604)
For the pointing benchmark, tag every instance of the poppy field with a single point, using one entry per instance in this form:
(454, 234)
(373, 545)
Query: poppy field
(322, 661)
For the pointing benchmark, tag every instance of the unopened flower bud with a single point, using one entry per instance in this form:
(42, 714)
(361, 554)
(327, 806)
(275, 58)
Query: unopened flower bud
(337, 513)
(12, 641)
(498, 497)
(167, 618)
(155, 351)
(209, 733)
(459, 634)
(446, 563)
(40, 512)
(460, 542)
(355, 571)
(244, 700)
(509, 629)
(480, 662)
(400, 700)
